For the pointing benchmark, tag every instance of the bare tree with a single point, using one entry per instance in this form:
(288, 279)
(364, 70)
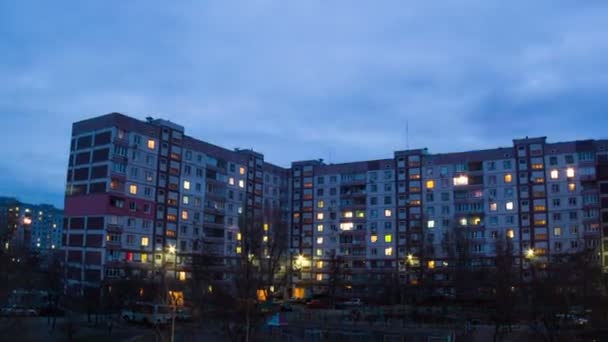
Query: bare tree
(336, 275)
(504, 279)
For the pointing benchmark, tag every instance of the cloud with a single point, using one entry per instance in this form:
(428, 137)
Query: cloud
(299, 80)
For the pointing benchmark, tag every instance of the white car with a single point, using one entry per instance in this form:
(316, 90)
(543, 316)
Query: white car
(147, 313)
(353, 302)
(16, 310)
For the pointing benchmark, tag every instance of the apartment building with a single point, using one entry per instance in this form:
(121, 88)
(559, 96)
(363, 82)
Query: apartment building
(142, 197)
(30, 227)
(139, 189)
(9, 219)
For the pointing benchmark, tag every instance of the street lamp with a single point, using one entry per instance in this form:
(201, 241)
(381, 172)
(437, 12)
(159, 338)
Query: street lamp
(530, 253)
(172, 250)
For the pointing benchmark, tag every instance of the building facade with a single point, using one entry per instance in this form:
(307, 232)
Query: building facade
(30, 227)
(137, 188)
(142, 197)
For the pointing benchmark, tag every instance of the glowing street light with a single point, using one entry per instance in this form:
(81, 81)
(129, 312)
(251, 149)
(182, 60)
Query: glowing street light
(171, 249)
(530, 253)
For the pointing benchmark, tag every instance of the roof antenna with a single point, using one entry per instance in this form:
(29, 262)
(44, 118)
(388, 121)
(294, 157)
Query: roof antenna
(407, 134)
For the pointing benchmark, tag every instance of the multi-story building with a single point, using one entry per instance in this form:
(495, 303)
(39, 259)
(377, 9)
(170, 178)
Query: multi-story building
(135, 188)
(9, 219)
(142, 197)
(33, 227)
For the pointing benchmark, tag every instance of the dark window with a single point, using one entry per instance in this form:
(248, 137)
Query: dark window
(92, 276)
(81, 174)
(75, 256)
(101, 155)
(75, 190)
(117, 202)
(99, 172)
(75, 240)
(72, 144)
(94, 240)
(76, 222)
(102, 138)
(604, 188)
(83, 158)
(95, 222)
(96, 188)
(71, 160)
(84, 142)
(69, 177)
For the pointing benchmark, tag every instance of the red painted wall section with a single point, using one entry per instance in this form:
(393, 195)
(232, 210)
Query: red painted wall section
(99, 204)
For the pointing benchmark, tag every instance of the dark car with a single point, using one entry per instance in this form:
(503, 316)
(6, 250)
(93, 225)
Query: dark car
(317, 304)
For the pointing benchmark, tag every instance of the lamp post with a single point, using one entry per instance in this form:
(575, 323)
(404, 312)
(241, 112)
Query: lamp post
(172, 250)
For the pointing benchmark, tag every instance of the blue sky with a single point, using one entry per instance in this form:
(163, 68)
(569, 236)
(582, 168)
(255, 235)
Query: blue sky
(298, 79)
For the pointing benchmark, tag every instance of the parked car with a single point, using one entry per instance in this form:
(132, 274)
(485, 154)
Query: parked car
(572, 320)
(317, 304)
(16, 310)
(147, 313)
(353, 302)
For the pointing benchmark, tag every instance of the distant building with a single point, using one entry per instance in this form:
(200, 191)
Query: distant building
(9, 220)
(30, 227)
(136, 188)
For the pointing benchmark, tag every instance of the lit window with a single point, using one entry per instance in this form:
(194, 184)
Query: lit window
(461, 180)
(320, 240)
(144, 241)
(388, 238)
(320, 204)
(242, 170)
(239, 236)
(430, 224)
(186, 185)
(570, 172)
(265, 238)
(463, 221)
(133, 189)
(151, 144)
(509, 205)
(571, 187)
(265, 227)
(508, 178)
(231, 180)
(348, 214)
(373, 238)
(388, 212)
(319, 276)
(557, 231)
(388, 251)
(182, 275)
(431, 264)
(238, 250)
(144, 257)
(430, 184)
(346, 226)
(319, 252)
(320, 264)
(319, 227)
(554, 174)
(493, 206)
(320, 216)
(241, 183)
(184, 215)
(510, 233)
(185, 200)
(360, 214)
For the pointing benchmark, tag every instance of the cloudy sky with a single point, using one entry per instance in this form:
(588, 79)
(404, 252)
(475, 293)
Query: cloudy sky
(298, 79)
